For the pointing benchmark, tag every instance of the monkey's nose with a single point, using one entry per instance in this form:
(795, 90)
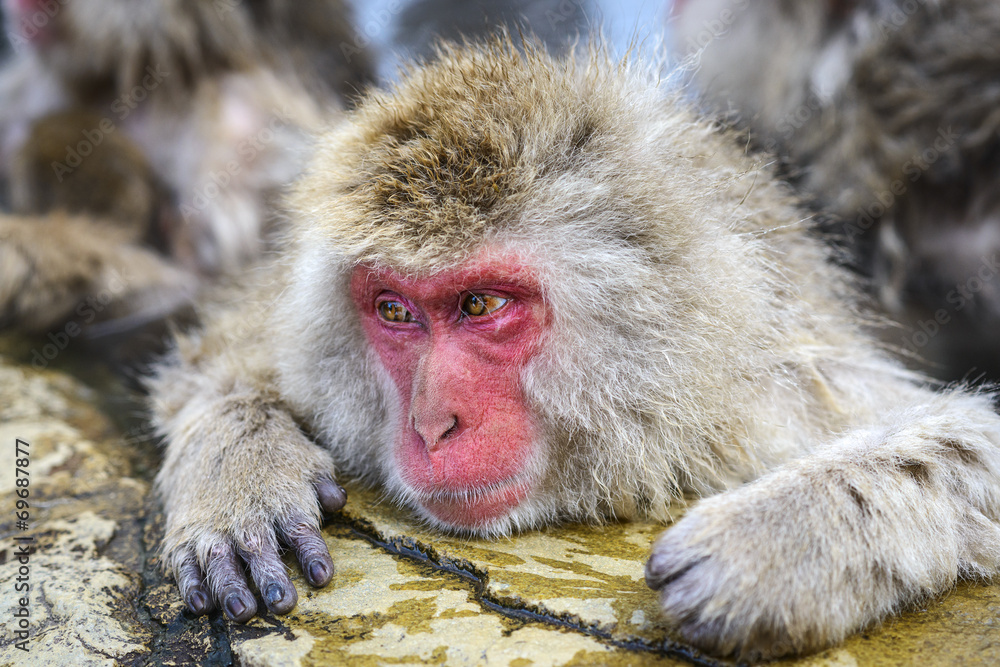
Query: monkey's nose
(434, 432)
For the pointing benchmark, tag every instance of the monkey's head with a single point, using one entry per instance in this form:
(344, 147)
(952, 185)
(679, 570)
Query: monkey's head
(102, 45)
(521, 259)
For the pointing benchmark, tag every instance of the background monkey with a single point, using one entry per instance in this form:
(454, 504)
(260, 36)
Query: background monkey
(522, 290)
(87, 245)
(885, 112)
(317, 41)
(215, 94)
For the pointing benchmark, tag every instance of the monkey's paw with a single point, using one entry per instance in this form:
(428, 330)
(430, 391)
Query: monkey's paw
(210, 565)
(247, 484)
(750, 574)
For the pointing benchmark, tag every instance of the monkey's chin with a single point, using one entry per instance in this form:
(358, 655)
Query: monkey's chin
(477, 510)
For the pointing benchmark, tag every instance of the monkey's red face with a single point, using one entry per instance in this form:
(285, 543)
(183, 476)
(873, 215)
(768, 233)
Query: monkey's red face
(455, 345)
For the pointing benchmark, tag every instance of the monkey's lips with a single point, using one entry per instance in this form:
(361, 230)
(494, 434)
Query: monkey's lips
(475, 509)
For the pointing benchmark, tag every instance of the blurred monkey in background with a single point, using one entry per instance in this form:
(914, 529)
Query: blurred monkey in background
(885, 114)
(88, 247)
(317, 39)
(215, 101)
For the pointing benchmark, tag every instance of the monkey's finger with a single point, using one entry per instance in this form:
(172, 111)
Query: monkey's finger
(669, 561)
(271, 577)
(311, 552)
(332, 496)
(191, 582)
(228, 585)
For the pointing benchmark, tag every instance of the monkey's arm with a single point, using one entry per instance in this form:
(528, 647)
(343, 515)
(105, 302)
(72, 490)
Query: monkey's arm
(53, 268)
(239, 476)
(840, 539)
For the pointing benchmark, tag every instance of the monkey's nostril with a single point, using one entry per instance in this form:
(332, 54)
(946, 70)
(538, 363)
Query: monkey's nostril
(452, 430)
(433, 435)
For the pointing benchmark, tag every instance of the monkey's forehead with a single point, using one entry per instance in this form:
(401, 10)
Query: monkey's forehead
(467, 146)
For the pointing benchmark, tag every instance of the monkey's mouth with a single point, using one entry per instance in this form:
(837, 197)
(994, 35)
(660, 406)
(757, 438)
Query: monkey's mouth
(477, 508)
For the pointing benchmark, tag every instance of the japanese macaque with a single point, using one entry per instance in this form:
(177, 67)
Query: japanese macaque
(521, 290)
(202, 88)
(885, 113)
(88, 245)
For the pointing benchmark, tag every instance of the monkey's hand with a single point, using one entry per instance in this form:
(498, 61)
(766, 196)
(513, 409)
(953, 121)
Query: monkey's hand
(239, 479)
(742, 572)
(836, 541)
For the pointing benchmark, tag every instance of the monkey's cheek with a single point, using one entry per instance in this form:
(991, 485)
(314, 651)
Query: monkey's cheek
(480, 510)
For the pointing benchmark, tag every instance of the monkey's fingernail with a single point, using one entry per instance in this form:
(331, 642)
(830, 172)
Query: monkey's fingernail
(332, 496)
(319, 573)
(235, 607)
(657, 568)
(274, 594)
(197, 602)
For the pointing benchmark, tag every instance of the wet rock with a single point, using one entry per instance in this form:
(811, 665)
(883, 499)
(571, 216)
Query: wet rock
(401, 594)
(88, 481)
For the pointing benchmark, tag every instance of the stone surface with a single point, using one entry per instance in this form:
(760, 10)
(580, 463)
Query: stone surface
(401, 594)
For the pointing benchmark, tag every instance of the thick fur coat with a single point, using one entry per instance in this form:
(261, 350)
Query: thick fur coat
(700, 345)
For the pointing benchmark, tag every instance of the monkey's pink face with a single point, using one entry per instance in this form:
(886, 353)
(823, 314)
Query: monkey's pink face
(455, 345)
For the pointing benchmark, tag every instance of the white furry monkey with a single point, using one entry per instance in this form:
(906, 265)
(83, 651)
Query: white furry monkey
(522, 290)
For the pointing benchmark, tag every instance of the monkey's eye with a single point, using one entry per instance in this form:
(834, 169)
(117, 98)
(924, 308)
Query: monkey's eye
(477, 305)
(394, 311)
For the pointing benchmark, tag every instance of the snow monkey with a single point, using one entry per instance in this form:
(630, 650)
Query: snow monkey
(215, 94)
(523, 289)
(885, 111)
(86, 246)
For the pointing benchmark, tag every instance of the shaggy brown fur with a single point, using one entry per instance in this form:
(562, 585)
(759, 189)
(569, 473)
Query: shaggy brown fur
(887, 117)
(700, 345)
(117, 183)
